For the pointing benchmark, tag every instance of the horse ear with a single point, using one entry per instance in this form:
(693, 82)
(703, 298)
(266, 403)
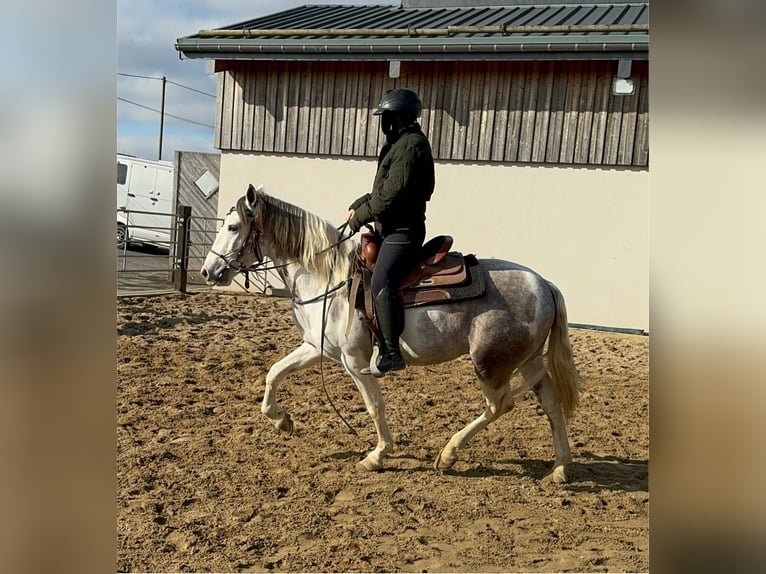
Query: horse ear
(250, 196)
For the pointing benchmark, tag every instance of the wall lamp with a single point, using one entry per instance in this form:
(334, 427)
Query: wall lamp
(622, 83)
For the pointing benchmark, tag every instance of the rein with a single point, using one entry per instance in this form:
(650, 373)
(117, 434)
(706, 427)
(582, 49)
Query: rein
(323, 296)
(322, 338)
(257, 266)
(253, 240)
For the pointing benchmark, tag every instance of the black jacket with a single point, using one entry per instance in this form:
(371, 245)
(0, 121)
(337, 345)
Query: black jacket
(403, 184)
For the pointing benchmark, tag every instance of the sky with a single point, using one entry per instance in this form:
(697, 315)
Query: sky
(146, 34)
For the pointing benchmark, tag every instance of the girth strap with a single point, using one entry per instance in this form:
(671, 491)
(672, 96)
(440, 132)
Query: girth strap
(352, 298)
(369, 307)
(361, 276)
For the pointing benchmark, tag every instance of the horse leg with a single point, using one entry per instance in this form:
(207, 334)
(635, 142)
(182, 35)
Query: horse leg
(302, 357)
(498, 400)
(549, 400)
(373, 399)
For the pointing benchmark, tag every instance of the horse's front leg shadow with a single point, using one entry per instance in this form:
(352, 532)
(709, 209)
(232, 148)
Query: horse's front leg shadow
(304, 356)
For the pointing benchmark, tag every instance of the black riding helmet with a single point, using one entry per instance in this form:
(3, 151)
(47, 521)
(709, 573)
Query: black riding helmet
(401, 100)
(398, 109)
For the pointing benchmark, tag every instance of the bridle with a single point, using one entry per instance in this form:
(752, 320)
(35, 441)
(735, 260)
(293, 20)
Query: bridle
(252, 241)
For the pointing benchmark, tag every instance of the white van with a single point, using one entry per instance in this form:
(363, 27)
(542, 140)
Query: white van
(144, 201)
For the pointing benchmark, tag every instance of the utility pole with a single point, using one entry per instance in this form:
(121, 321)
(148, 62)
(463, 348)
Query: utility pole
(162, 117)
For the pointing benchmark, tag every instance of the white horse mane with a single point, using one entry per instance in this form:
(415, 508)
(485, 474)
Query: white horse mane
(298, 235)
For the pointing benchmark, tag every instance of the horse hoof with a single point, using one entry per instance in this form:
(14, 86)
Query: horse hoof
(444, 463)
(285, 426)
(559, 475)
(368, 466)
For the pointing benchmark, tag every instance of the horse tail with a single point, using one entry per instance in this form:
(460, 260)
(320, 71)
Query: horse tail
(561, 365)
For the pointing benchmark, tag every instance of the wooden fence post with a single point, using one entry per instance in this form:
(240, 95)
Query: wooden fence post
(180, 271)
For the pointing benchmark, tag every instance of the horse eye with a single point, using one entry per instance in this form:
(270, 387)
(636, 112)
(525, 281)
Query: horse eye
(232, 228)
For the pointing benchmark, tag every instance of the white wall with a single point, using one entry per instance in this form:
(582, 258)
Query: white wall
(585, 229)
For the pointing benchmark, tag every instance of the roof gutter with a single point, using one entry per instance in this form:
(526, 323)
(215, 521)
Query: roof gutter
(427, 48)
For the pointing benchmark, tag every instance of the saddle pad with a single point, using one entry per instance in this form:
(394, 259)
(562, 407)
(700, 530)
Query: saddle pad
(472, 288)
(449, 271)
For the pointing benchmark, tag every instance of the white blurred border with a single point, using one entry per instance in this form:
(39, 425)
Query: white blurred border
(707, 202)
(57, 337)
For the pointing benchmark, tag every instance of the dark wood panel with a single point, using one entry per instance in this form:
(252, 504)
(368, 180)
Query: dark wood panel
(238, 109)
(437, 105)
(336, 141)
(363, 113)
(641, 149)
(282, 109)
(487, 113)
(314, 127)
(628, 128)
(502, 106)
(571, 115)
(303, 104)
(226, 111)
(598, 124)
(449, 115)
(475, 107)
(556, 112)
(326, 118)
(272, 108)
(515, 113)
(529, 112)
(248, 117)
(259, 109)
(558, 82)
(220, 97)
(376, 91)
(613, 128)
(350, 107)
(543, 113)
(585, 113)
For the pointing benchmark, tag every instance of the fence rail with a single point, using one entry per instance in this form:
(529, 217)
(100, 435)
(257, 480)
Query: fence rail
(162, 264)
(173, 264)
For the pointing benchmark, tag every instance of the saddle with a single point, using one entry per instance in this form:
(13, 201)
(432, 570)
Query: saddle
(440, 276)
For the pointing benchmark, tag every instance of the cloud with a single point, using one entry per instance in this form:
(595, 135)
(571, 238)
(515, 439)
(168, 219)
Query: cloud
(146, 34)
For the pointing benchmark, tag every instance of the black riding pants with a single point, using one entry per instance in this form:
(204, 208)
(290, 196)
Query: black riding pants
(396, 257)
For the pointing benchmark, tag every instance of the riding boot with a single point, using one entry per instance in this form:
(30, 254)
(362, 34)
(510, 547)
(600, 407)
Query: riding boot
(391, 324)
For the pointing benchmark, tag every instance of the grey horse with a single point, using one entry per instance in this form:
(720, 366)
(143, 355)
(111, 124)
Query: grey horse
(503, 332)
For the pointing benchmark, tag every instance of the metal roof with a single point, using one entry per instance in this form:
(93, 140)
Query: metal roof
(374, 32)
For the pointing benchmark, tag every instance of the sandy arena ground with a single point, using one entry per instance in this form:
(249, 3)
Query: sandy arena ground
(205, 483)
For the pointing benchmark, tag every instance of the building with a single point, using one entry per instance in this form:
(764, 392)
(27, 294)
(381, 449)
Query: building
(537, 114)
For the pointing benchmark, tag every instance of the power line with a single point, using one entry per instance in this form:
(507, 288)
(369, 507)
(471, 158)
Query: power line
(191, 89)
(137, 76)
(169, 82)
(167, 114)
(162, 112)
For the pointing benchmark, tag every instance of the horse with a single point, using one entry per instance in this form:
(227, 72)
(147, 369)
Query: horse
(504, 332)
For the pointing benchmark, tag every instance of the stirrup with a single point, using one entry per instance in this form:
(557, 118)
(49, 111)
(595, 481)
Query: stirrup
(373, 368)
(373, 363)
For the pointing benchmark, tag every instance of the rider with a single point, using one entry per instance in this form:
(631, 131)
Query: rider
(403, 184)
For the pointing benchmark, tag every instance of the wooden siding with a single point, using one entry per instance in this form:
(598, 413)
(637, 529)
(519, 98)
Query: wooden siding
(189, 166)
(529, 112)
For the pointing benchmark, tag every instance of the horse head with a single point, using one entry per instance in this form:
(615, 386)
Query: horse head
(236, 246)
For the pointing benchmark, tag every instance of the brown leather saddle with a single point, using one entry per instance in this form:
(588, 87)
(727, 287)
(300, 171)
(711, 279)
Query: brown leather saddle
(440, 276)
